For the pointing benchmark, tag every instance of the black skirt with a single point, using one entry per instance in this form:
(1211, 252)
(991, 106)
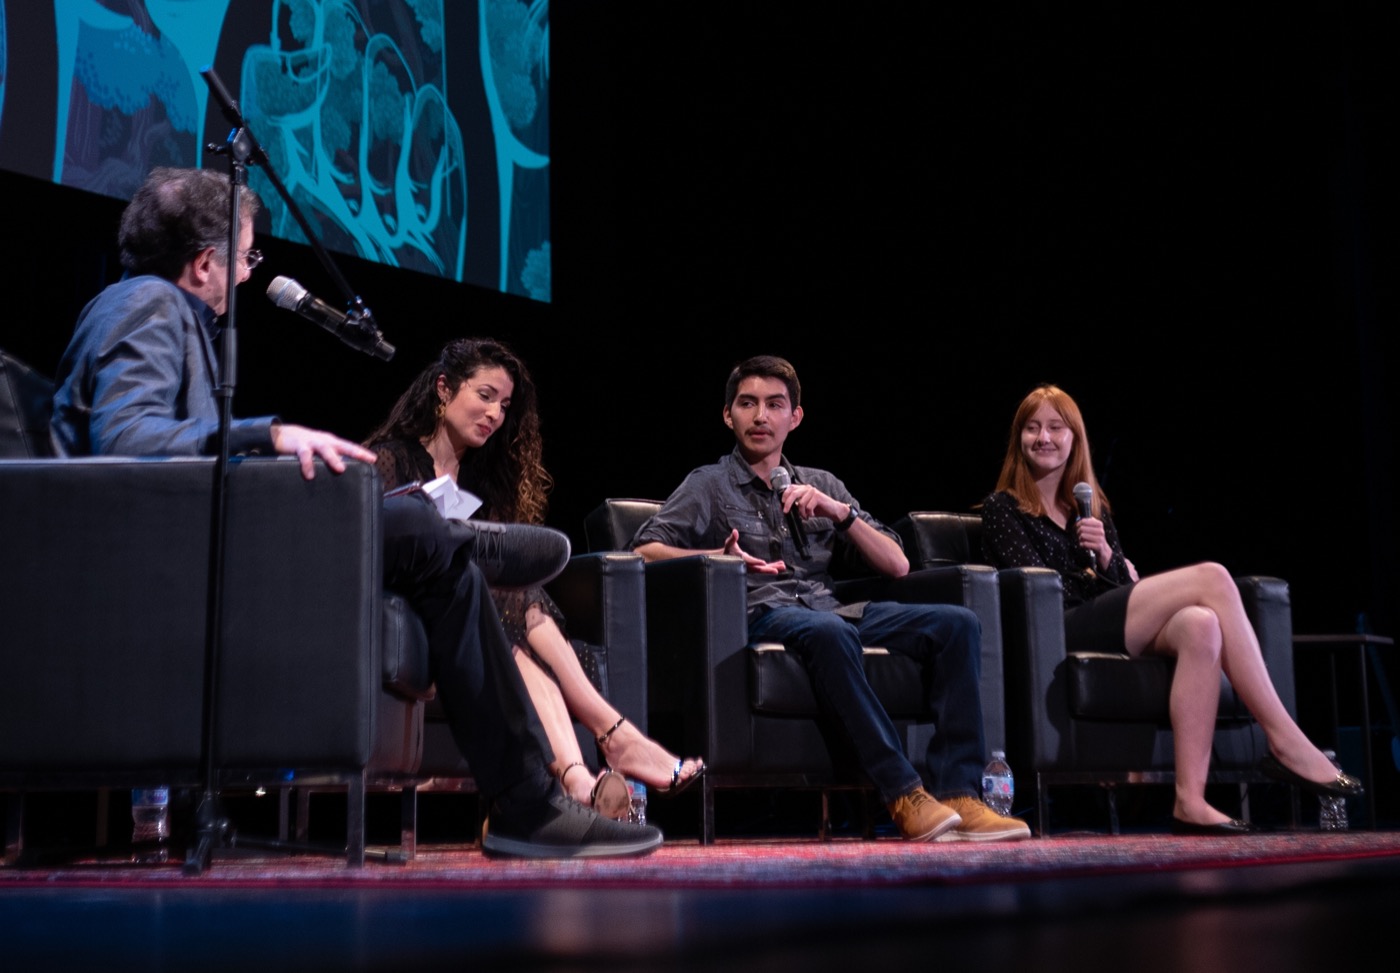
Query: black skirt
(1097, 625)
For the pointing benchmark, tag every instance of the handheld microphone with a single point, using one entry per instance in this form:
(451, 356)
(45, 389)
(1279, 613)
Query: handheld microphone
(1084, 496)
(357, 328)
(781, 479)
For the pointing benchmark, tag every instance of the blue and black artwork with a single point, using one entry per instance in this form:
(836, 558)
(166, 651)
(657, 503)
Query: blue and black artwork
(411, 132)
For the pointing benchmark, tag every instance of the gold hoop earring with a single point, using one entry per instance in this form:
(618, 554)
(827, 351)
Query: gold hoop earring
(441, 409)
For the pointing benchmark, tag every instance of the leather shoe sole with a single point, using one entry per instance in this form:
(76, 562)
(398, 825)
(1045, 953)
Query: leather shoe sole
(557, 827)
(1224, 829)
(511, 556)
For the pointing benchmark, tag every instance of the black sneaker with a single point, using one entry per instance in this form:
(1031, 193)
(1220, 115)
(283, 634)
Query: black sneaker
(558, 827)
(512, 555)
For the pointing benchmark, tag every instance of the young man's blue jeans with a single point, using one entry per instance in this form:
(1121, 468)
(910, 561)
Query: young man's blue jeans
(946, 642)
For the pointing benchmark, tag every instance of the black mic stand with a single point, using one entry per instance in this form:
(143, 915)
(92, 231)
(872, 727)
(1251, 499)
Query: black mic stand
(360, 318)
(212, 827)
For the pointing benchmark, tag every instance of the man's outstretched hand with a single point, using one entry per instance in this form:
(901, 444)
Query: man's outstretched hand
(732, 548)
(306, 444)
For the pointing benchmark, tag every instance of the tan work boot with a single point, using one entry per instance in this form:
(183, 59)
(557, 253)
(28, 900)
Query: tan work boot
(981, 823)
(920, 818)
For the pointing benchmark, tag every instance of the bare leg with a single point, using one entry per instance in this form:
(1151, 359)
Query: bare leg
(628, 751)
(1192, 635)
(549, 704)
(1152, 625)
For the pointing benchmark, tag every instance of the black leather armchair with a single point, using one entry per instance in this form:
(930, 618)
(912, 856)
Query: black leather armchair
(103, 583)
(750, 710)
(1102, 718)
(103, 596)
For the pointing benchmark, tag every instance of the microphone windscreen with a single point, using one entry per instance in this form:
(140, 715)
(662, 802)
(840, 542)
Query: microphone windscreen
(1084, 494)
(286, 293)
(780, 479)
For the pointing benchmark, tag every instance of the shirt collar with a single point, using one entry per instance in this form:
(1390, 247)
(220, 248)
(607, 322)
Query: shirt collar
(202, 311)
(742, 473)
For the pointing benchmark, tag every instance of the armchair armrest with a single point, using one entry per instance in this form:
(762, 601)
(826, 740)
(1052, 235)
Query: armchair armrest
(1032, 605)
(697, 628)
(603, 596)
(1270, 610)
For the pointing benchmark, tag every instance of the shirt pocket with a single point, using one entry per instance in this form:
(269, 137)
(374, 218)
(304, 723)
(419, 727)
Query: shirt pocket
(755, 536)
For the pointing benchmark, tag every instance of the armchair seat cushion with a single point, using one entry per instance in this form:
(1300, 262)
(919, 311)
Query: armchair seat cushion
(406, 667)
(1117, 688)
(779, 685)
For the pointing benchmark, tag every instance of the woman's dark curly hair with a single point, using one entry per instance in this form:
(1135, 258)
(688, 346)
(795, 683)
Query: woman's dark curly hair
(176, 214)
(506, 473)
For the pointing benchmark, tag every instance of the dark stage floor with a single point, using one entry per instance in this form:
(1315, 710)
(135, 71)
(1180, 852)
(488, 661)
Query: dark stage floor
(1146, 903)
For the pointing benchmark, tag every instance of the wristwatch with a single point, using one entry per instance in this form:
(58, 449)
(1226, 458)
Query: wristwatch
(845, 525)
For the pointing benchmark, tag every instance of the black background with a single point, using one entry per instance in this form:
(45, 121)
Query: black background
(1182, 215)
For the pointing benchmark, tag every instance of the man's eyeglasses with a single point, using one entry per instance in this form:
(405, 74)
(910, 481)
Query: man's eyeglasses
(252, 258)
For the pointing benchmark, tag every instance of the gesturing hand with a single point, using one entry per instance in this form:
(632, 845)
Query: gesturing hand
(306, 444)
(732, 548)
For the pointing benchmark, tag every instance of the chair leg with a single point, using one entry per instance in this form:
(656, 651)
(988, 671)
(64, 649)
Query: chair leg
(408, 822)
(303, 829)
(1113, 827)
(824, 828)
(284, 813)
(14, 828)
(355, 821)
(1042, 806)
(707, 811)
(104, 805)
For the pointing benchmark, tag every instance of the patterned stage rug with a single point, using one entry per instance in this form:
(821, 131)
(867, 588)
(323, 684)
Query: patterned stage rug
(749, 864)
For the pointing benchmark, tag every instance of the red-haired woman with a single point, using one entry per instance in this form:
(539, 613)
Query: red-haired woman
(1193, 614)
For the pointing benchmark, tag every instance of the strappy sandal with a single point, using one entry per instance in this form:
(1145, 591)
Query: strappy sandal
(610, 796)
(679, 783)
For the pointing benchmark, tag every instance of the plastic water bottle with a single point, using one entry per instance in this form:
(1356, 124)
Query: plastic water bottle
(998, 786)
(1331, 808)
(150, 824)
(637, 807)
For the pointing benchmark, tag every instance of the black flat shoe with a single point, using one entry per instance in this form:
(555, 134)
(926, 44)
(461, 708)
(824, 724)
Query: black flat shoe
(1224, 829)
(1343, 785)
